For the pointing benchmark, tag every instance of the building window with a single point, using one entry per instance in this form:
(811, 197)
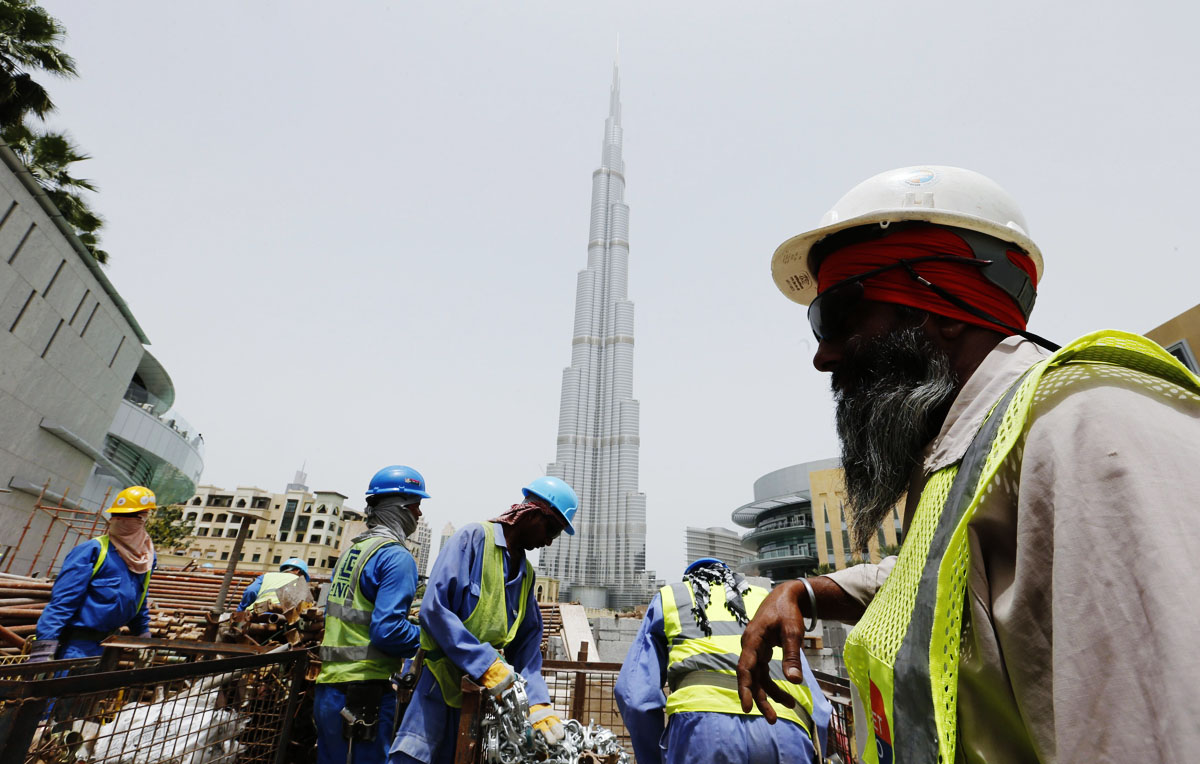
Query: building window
(196, 501)
(288, 514)
(308, 508)
(261, 502)
(191, 517)
(224, 555)
(231, 532)
(321, 509)
(283, 536)
(207, 517)
(1183, 351)
(241, 557)
(255, 558)
(202, 531)
(330, 561)
(335, 511)
(312, 560)
(301, 524)
(241, 502)
(222, 518)
(314, 539)
(195, 554)
(211, 555)
(318, 525)
(276, 559)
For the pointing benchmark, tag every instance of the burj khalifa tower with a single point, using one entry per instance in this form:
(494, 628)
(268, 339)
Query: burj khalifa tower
(603, 565)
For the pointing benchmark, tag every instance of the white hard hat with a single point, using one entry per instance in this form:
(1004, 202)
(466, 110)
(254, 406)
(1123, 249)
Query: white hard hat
(948, 196)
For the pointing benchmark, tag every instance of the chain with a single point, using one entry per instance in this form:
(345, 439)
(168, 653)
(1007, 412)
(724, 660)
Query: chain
(509, 738)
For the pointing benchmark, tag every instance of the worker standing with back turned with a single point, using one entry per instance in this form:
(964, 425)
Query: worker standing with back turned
(480, 599)
(367, 631)
(690, 640)
(102, 585)
(1040, 607)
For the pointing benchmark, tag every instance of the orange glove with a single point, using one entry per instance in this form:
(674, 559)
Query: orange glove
(545, 721)
(498, 678)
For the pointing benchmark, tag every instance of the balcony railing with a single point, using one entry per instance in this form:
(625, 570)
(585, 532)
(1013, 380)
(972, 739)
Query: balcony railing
(155, 407)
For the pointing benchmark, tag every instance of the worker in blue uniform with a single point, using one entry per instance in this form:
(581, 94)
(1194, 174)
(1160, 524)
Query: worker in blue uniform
(690, 640)
(102, 585)
(367, 632)
(263, 586)
(480, 599)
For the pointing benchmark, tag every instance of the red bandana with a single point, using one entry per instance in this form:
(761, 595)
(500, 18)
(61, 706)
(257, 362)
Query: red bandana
(897, 286)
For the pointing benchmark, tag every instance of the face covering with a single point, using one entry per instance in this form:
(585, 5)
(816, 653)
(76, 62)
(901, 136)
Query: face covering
(390, 519)
(127, 534)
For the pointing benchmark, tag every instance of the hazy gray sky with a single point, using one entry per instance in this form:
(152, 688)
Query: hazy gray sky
(351, 231)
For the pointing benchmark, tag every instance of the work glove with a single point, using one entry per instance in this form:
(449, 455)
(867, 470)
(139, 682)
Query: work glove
(545, 721)
(42, 650)
(498, 678)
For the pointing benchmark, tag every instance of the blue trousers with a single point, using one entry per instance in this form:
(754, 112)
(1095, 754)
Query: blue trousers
(332, 748)
(707, 738)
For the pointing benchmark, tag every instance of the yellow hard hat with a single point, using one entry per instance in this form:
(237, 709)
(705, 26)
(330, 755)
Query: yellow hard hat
(133, 499)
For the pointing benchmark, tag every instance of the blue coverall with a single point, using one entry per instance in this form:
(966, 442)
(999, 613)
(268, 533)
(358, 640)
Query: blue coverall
(693, 738)
(389, 580)
(102, 603)
(430, 727)
(251, 593)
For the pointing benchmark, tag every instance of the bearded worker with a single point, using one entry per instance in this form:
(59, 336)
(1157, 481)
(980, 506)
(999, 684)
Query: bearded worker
(1002, 632)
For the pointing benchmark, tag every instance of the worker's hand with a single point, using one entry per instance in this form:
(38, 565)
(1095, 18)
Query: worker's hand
(42, 650)
(546, 721)
(778, 623)
(498, 678)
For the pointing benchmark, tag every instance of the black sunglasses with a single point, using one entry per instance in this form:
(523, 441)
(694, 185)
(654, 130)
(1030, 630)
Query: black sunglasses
(829, 313)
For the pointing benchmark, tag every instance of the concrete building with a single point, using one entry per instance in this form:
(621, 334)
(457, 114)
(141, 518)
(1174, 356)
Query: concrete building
(447, 531)
(294, 523)
(721, 543)
(604, 564)
(799, 522)
(421, 545)
(1181, 337)
(85, 409)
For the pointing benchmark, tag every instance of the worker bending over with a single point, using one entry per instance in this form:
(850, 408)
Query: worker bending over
(102, 585)
(367, 631)
(690, 640)
(1038, 609)
(479, 600)
(264, 588)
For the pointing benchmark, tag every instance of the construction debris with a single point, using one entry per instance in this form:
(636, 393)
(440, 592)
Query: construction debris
(509, 738)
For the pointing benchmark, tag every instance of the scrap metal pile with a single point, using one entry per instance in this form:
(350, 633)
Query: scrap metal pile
(181, 605)
(509, 738)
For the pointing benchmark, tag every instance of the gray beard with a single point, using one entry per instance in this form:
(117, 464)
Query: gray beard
(888, 391)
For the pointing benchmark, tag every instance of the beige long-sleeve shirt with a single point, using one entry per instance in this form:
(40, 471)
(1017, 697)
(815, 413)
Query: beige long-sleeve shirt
(1083, 642)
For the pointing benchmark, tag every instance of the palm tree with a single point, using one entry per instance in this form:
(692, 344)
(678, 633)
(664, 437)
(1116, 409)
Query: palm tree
(49, 157)
(29, 40)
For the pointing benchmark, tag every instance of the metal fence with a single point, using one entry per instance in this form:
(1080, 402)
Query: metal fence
(584, 691)
(228, 709)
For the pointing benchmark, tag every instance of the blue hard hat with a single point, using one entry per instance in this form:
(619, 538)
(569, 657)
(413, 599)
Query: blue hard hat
(298, 564)
(704, 561)
(397, 479)
(560, 496)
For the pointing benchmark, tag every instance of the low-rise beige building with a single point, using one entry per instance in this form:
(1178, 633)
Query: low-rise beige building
(1181, 337)
(299, 523)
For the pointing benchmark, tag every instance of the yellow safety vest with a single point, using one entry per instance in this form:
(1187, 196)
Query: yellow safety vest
(271, 583)
(347, 654)
(702, 670)
(903, 655)
(488, 622)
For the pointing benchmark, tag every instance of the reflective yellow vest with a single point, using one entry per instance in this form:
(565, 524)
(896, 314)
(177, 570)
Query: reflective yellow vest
(346, 651)
(903, 655)
(488, 622)
(270, 584)
(702, 670)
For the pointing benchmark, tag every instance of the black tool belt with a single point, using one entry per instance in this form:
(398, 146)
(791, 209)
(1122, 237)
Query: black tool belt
(80, 634)
(360, 715)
